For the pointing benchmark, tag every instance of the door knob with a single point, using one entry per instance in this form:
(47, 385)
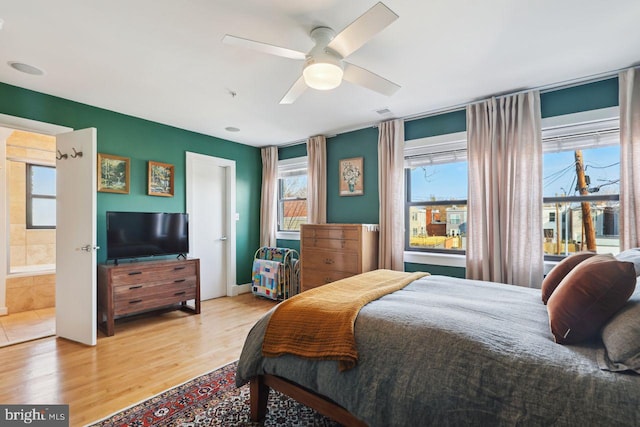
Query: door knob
(88, 248)
(223, 238)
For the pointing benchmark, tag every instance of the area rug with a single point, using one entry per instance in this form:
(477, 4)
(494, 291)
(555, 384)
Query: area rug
(213, 400)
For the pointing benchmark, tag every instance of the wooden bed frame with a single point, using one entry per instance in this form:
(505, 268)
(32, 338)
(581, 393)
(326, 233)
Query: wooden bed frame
(261, 384)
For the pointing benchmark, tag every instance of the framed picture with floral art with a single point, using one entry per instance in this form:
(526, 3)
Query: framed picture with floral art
(113, 174)
(160, 180)
(351, 176)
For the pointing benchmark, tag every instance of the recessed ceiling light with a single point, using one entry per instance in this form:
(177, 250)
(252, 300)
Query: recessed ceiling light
(231, 129)
(26, 68)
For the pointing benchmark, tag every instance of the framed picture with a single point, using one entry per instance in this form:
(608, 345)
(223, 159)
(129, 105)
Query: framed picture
(113, 174)
(351, 177)
(160, 181)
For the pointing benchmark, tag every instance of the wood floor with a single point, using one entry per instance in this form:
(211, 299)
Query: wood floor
(145, 356)
(27, 325)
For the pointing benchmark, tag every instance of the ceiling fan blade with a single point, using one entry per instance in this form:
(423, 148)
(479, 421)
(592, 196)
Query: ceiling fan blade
(365, 78)
(294, 92)
(262, 47)
(362, 30)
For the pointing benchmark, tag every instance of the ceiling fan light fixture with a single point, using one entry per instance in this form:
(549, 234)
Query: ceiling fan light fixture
(323, 73)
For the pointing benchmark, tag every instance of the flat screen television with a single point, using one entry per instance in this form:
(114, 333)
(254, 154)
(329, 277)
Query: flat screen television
(144, 234)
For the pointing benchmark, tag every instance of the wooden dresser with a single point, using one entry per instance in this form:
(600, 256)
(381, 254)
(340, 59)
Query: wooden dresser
(331, 252)
(135, 287)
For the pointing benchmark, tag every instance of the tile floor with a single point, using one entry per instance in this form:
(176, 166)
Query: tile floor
(26, 326)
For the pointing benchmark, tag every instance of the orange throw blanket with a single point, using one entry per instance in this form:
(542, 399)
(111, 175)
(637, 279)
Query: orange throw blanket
(319, 323)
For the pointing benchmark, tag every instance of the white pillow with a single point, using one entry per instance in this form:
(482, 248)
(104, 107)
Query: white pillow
(631, 255)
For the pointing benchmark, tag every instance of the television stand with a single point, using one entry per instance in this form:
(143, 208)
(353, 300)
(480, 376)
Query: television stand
(138, 287)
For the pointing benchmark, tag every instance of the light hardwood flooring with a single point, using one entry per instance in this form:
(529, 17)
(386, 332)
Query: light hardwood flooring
(147, 355)
(27, 325)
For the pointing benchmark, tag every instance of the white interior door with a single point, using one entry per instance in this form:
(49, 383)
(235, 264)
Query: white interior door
(211, 235)
(76, 236)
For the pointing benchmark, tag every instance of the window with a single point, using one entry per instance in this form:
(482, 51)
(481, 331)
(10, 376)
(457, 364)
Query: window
(436, 199)
(41, 196)
(581, 188)
(292, 194)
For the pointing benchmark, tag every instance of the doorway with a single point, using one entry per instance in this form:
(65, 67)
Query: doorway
(30, 235)
(211, 204)
(9, 124)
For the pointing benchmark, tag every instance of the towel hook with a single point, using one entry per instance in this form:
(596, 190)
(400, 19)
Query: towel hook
(76, 153)
(61, 156)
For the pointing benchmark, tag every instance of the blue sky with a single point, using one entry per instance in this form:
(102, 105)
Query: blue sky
(602, 165)
(449, 181)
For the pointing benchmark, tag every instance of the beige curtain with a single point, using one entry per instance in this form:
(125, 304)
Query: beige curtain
(505, 190)
(629, 158)
(317, 180)
(391, 184)
(269, 197)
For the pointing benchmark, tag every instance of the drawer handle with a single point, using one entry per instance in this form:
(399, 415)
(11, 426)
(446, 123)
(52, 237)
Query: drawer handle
(328, 261)
(135, 287)
(135, 301)
(180, 293)
(179, 280)
(179, 268)
(133, 273)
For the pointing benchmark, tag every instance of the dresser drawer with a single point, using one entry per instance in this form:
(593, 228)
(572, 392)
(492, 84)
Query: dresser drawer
(149, 302)
(314, 277)
(349, 245)
(152, 289)
(330, 233)
(320, 259)
(137, 274)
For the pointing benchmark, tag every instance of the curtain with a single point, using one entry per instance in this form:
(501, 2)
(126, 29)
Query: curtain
(391, 184)
(505, 190)
(317, 180)
(269, 197)
(629, 158)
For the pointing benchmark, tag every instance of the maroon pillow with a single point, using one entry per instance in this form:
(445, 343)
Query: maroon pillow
(588, 296)
(557, 273)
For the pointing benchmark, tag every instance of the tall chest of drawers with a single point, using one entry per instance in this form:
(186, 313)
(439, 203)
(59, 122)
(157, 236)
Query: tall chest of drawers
(331, 252)
(142, 286)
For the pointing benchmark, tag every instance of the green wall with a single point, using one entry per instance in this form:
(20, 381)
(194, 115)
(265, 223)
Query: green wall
(436, 269)
(364, 142)
(143, 140)
(575, 99)
(353, 209)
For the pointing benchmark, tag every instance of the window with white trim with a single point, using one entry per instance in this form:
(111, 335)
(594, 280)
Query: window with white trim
(581, 173)
(436, 194)
(292, 194)
(41, 196)
(581, 184)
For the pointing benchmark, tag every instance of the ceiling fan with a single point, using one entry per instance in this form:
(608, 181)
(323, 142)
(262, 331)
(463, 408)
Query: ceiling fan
(324, 66)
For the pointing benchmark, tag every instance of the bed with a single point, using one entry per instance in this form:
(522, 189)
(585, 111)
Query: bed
(448, 351)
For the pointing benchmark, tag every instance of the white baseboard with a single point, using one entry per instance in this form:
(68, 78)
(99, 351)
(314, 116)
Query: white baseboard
(240, 289)
(4, 310)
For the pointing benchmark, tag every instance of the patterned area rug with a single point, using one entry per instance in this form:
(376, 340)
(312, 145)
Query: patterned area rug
(213, 400)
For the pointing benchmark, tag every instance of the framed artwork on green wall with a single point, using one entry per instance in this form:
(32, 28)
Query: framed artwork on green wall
(113, 174)
(160, 180)
(352, 176)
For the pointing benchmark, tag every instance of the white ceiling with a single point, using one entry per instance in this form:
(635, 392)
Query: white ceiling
(163, 60)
